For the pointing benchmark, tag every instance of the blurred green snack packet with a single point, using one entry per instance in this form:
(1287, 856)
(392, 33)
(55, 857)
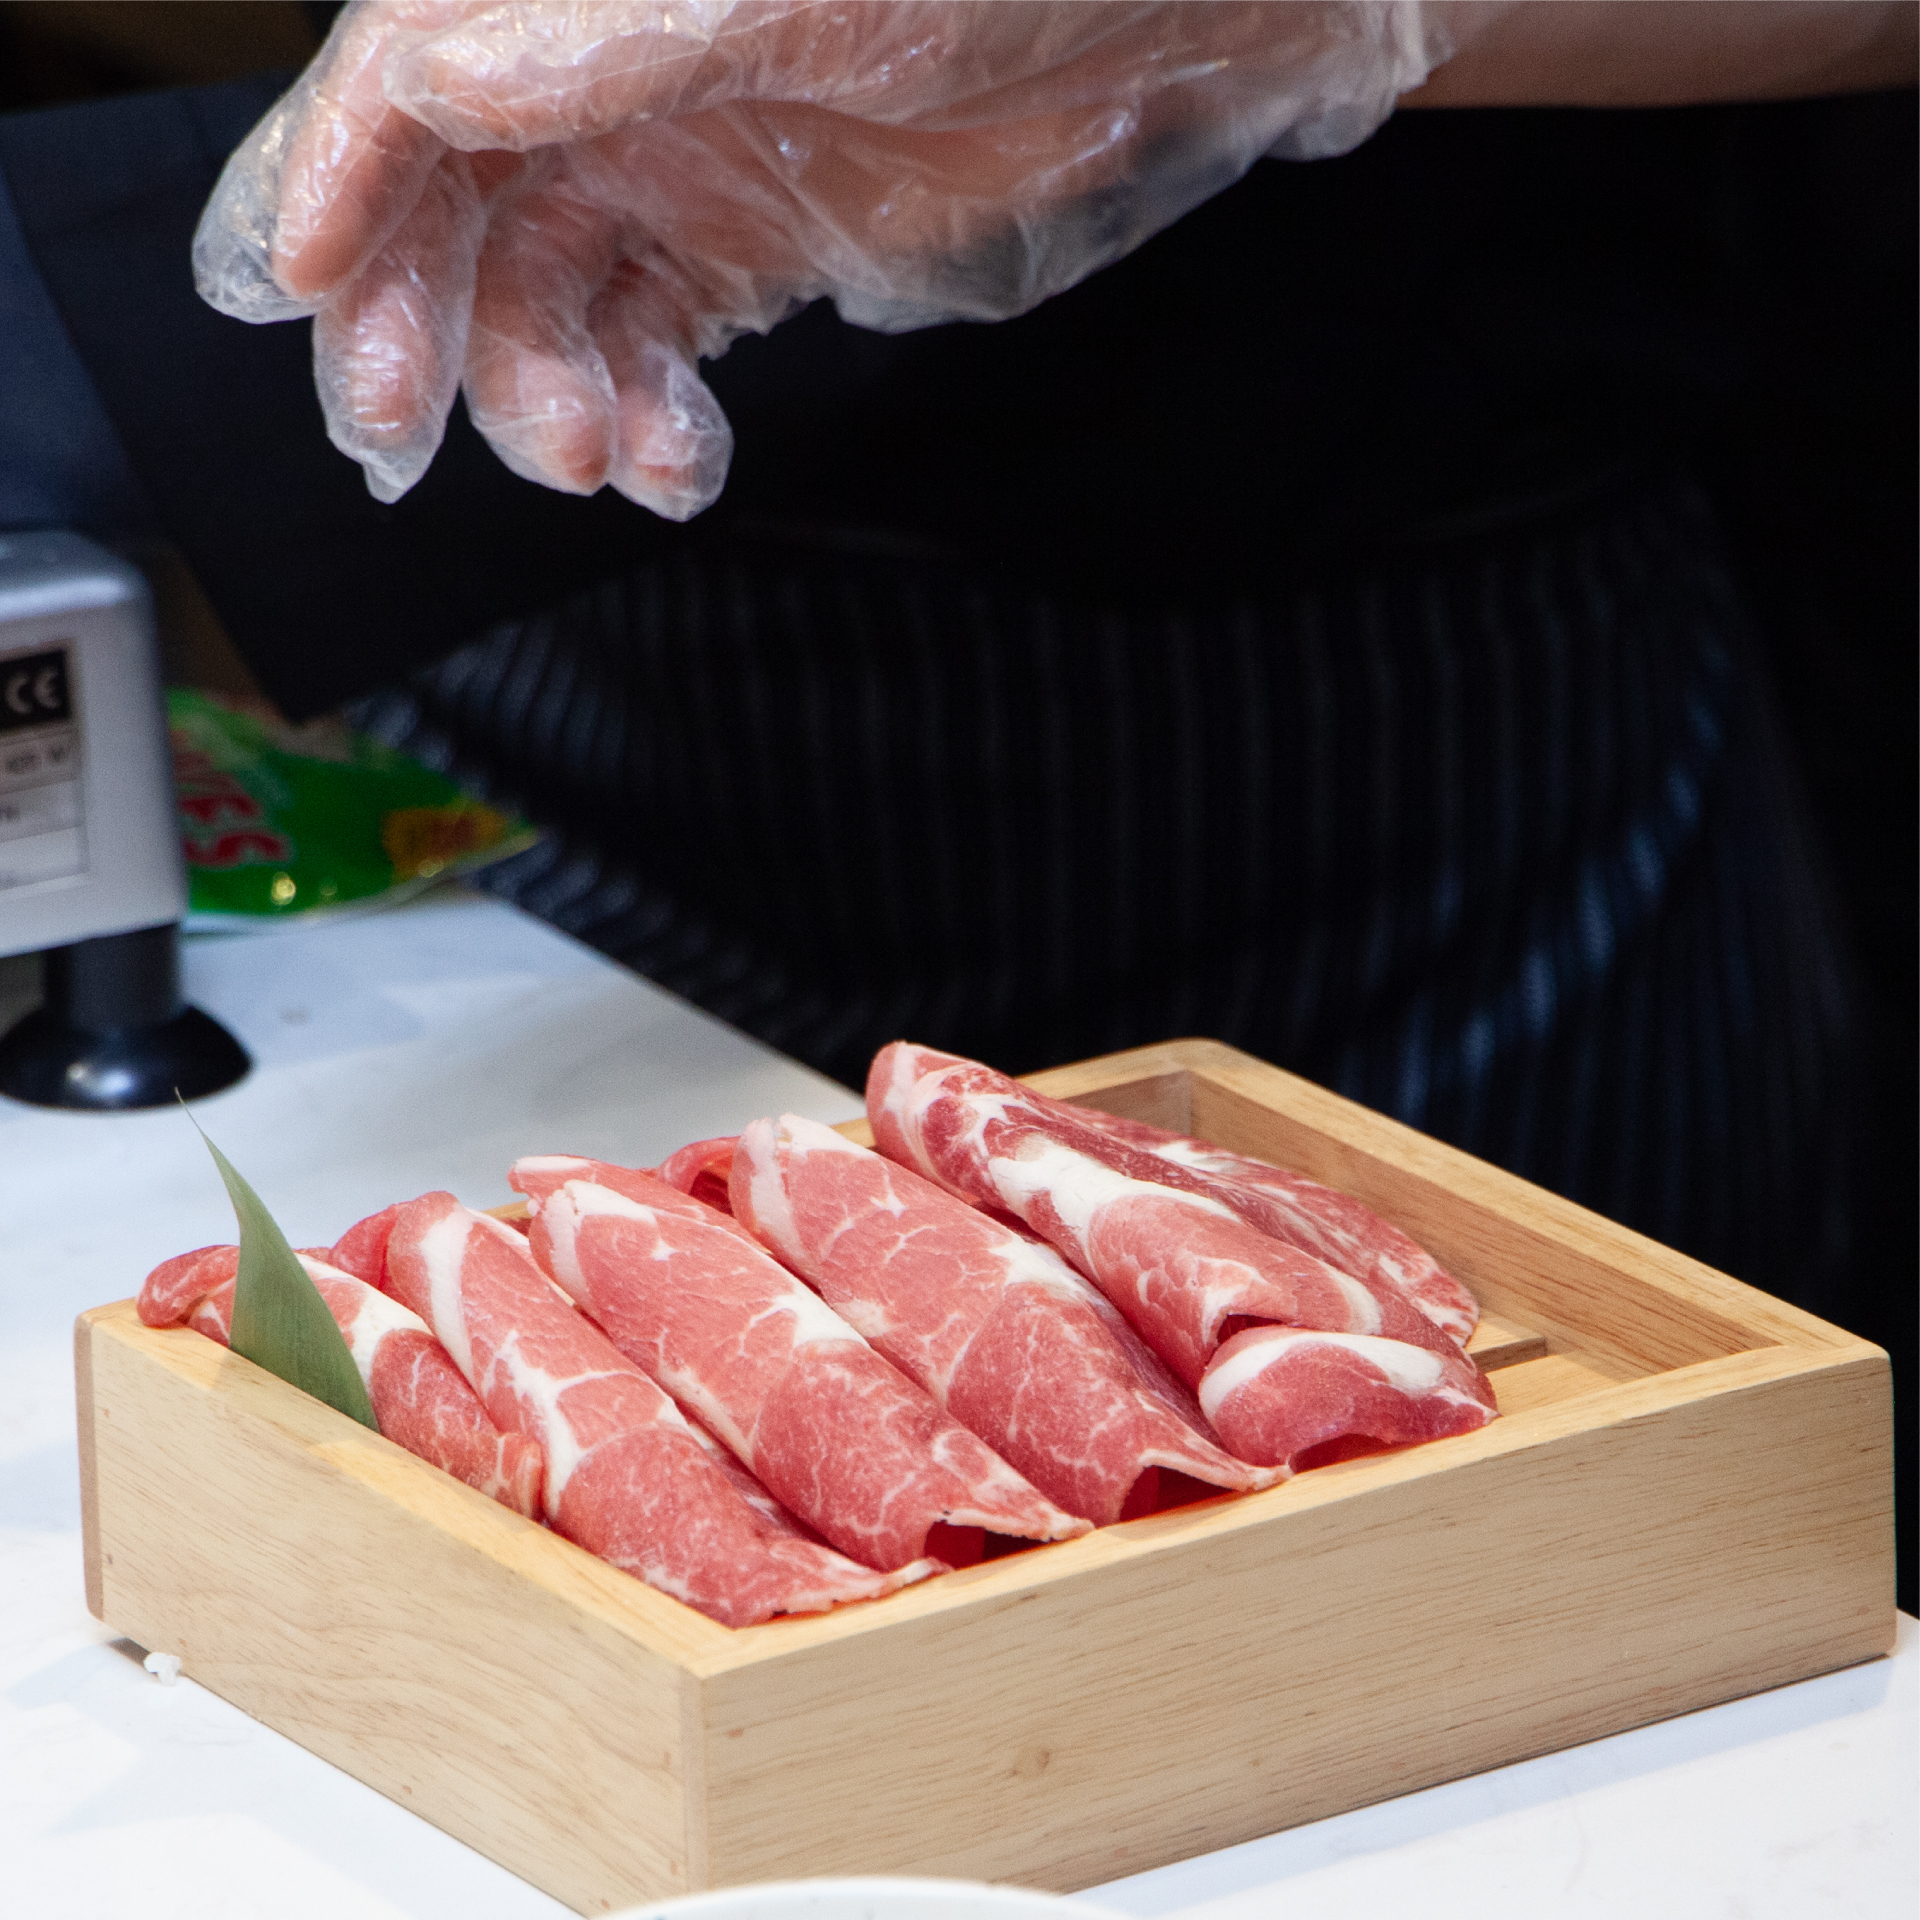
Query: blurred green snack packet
(278, 820)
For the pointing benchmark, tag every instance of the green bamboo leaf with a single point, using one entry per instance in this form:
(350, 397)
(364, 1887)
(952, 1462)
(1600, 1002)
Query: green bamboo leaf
(280, 1321)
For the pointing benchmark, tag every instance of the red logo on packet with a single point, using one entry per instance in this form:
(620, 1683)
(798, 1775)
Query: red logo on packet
(241, 847)
(208, 797)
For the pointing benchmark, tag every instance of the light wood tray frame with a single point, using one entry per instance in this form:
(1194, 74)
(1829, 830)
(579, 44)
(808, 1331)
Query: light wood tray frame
(1689, 1499)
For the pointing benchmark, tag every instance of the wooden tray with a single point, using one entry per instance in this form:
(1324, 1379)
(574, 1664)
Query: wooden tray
(1689, 1499)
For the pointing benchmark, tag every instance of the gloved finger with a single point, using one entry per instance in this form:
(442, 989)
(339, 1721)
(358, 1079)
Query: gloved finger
(321, 183)
(536, 383)
(233, 244)
(389, 348)
(675, 443)
(353, 165)
(521, 76)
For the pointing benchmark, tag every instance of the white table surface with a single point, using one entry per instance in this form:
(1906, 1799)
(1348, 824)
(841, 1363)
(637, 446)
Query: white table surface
(425, 1048)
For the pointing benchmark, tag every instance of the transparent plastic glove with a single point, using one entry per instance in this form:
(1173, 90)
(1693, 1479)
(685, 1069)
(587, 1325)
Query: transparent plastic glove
(572, 201)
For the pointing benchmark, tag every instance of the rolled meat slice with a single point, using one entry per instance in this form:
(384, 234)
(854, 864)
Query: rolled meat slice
(771, 1513)
(995, 1326)
(170, 1292)
(626, 1476)
(362, 1249)
(702, 1170)
(1183, 1267)
(834, 1431)
(175, 1287)
(420, 1402)
(536, 1174)
(1294, 1398)
(213, 1316)
(365, 1243)
(1333, 1226)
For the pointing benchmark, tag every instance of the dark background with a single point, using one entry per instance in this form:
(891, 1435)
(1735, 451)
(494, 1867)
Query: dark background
(1805, 438)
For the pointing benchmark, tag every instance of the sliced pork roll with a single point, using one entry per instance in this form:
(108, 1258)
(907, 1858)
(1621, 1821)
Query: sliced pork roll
(1284, 1396)
(420, 1402)
(1012, 1342)
(175, 1287)
(1333, 1226)
(1183, 1267)
(837, 1433)
(626, 1477)
(701, 1170)
(362, 1249)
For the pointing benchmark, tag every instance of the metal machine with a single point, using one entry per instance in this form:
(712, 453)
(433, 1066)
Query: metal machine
(90, 866)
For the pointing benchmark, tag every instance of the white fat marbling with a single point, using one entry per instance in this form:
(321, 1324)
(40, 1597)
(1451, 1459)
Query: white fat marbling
(548, 1164)
(773, 1221)
(1183, 1153)
(716, 1415)
(908, 1098)
(589, 1197)
(375, 1316)
(814, 1321)
(815, 1136)
(560, 1221)
(1025, 1263)
(443, 1249)
(900, 1099)
(1365, 1308)
(540, 1391)
(1411, 1369)
(1077, 1185)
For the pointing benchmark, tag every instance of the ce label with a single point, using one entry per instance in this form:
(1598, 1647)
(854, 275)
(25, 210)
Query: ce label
(28, 692)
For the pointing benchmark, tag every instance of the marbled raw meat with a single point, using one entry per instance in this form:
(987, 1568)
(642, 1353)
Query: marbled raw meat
(701, 1170)
(626, 1477)
(537, 1174)
(420, 1402)
(171, 1291)
(1012, 1342)
(1183, 1267)
(838, 1434)
(213, 1316)
(770, 1511)
(1277, 1393)
(362, 1249)
(1333, 1226)
(365, 1243)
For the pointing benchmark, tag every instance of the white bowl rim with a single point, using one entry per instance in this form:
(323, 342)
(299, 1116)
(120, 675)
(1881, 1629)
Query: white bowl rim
(915, 1889)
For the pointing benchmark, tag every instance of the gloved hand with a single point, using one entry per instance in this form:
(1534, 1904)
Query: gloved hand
(564, 204)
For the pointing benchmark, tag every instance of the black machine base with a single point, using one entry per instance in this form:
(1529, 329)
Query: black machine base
(114, 1032)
